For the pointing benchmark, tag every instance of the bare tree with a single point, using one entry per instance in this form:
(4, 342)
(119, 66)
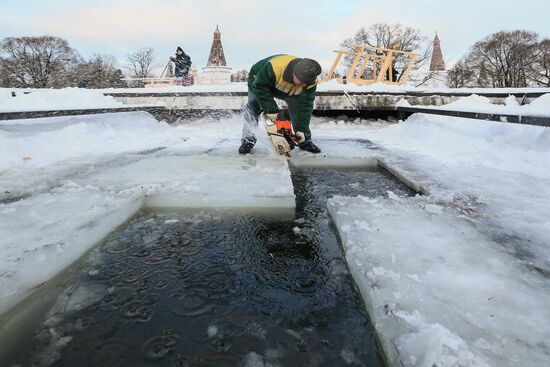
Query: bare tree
(460, 75)
(5, 79)
(38, 62)
(390, 36)
(541, 66)
(140, 63)
(503, 59)
(100, 71)
(240, 76)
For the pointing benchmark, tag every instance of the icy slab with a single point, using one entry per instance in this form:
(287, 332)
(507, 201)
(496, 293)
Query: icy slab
(42, 235)
(496, 172)
(85, 175)
(203, 181)
(439, 292)
(342, 143)
(336, 152)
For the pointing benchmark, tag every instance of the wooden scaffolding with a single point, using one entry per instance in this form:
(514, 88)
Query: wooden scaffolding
(377, 61)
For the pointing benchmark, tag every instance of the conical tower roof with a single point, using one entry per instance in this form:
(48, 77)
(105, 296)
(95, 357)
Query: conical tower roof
(217, 57)
(437, 64)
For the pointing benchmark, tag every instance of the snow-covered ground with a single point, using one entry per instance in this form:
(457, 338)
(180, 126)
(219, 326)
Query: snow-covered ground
(474, 103)
(459, 277)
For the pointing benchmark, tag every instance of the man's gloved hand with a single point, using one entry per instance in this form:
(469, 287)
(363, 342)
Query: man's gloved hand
(300, 137)
(271, 116)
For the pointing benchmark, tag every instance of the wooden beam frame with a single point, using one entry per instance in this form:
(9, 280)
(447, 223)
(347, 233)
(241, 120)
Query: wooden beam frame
(381, 59)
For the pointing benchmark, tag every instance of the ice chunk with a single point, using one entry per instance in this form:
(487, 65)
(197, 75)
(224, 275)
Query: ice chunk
(42, 235)
(203, 181)
(495, 171)
(253, 359)
(212, 331)
(336, 153)
(439, 292)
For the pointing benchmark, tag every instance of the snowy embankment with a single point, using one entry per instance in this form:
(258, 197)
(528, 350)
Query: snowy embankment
(79, 98)
(69, 181)
(459, 277)
(55, 99)
(480, 104)
(330, 86)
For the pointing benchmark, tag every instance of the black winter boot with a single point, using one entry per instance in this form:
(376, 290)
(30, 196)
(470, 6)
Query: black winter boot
(309, 147)
(246, 145)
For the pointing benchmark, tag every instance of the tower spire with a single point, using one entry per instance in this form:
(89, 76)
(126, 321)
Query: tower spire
(437, 64)
(217, 57)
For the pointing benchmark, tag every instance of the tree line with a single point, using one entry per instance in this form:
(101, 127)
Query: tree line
(504, 59)
(50, 62)
(507, 59)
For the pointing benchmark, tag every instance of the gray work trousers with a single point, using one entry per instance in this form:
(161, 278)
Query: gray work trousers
(252, 112)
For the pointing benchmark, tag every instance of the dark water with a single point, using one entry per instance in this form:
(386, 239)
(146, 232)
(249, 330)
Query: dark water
(219, 289)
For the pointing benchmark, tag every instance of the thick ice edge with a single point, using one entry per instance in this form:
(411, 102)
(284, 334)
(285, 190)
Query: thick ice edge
(438, 291)
(86, 175)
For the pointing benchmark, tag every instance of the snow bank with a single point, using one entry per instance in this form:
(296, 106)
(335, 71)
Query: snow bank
(54, 99)
(41, 142)
(79, 98)
(439, 291)
(498, 171)
(456, 141)
(196, 88)
(437, 90)
(474, 103)
(455, 278)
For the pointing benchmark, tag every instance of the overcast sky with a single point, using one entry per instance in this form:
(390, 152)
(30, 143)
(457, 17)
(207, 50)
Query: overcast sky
(253, 29)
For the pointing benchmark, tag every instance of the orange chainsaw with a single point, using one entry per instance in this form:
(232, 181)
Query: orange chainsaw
(281, 134)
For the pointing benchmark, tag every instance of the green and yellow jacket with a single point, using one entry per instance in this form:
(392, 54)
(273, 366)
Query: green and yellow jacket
(271, 78)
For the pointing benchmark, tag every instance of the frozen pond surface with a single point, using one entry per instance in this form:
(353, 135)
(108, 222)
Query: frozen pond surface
(477, 244)
(205, 288)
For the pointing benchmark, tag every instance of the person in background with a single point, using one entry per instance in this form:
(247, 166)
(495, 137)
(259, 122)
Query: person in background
(182, 63)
